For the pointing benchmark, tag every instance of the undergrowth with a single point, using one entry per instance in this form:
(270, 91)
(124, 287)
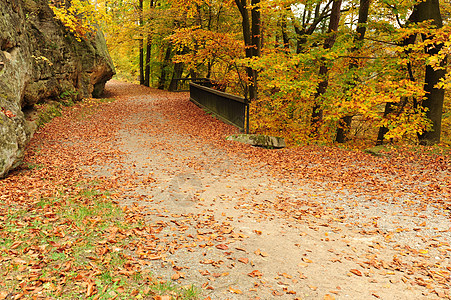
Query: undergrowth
(74, 246)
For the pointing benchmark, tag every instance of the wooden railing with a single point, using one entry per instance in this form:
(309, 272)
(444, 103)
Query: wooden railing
(229, 108)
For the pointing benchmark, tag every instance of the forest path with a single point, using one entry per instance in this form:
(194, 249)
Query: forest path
(231, 222)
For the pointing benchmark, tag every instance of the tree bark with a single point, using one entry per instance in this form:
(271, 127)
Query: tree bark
(178, 72)
(163, 74)
(430, 10)
(148, 55)
(427, 10)
(141, 44)
(252, 40)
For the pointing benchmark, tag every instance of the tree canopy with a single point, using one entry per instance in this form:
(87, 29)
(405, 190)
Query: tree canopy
(314, 70)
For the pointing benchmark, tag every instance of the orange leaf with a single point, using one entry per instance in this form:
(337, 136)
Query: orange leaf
(255, 273)
(244, 260)
(222, 247)
(356, 272)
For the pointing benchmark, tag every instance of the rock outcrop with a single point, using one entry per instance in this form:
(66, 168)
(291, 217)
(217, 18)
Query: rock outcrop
(259, 140)
(40, 60)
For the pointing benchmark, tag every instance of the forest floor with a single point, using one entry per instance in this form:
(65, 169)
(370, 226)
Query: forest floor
(234, 221)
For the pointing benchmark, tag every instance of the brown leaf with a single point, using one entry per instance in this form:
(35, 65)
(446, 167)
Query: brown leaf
(90, 289)
(222, 247)
(243, 260)
(162, 297)
(177, 275)
(287, 276)
(261, 253)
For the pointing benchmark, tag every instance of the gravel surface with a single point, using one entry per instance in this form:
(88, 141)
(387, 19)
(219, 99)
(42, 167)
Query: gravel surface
(238, 228)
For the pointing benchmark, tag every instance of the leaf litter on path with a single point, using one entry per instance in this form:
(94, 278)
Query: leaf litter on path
(372, 226)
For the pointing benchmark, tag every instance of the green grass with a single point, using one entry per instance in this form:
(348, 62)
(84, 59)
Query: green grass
(47, 112)
(56, 246)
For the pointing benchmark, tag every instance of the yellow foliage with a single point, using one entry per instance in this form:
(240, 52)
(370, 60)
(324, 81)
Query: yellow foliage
(79, 17)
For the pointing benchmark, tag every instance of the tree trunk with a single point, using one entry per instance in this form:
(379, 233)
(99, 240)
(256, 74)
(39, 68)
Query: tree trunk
(256, 28)
(284, 28)
(178, 71)
(163, 75)
(317, 114)
(147, 74)
(252, 40)
(345, 122)
(430, 10)
(427, 10)
(148, 55)
(141, 44)
(390, 107)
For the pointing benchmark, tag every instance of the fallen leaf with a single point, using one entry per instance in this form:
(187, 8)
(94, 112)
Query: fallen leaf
(243, 260)
(222, 247)
(304, 259)
(356, 272)
(235, 291)
(255, 273)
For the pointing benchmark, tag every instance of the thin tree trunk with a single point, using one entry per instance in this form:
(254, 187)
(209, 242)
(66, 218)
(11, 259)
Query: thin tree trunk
(148, 55)
(390, 107)
(284, 28)
(345, 122)
(317, 114)
(141, 44)
(252, 40)
(163, 74)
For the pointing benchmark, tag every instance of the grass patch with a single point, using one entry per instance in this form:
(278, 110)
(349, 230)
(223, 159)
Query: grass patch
(89, 107)
(77, 246)
(47, 112)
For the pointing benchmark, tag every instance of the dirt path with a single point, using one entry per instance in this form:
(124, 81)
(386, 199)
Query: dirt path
(240, 227)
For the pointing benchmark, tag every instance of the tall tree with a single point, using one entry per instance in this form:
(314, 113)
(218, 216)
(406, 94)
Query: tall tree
(424, 11)
(148, 50)
(317, 114)
(345, 122)
(141, 42)
(251, 26)
(429, 11)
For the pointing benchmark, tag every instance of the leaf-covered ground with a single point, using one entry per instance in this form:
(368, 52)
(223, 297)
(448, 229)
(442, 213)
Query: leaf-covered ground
(140, 197)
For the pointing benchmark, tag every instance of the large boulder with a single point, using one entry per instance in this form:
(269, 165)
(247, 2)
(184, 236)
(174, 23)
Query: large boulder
(40, 60)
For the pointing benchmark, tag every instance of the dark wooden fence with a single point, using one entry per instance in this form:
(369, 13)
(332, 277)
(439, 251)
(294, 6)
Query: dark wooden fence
(182, 84)
(229, 108)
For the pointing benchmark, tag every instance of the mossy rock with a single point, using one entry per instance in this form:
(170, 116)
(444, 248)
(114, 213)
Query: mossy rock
(377, 150)
(259, 140)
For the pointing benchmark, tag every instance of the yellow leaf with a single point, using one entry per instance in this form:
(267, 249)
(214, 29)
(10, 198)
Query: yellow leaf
(235, 291)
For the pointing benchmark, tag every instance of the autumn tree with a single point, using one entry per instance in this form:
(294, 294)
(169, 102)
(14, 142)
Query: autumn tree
(311, 66)
(429, 10)
(317, 114)
(345, 122)
(251, 27)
